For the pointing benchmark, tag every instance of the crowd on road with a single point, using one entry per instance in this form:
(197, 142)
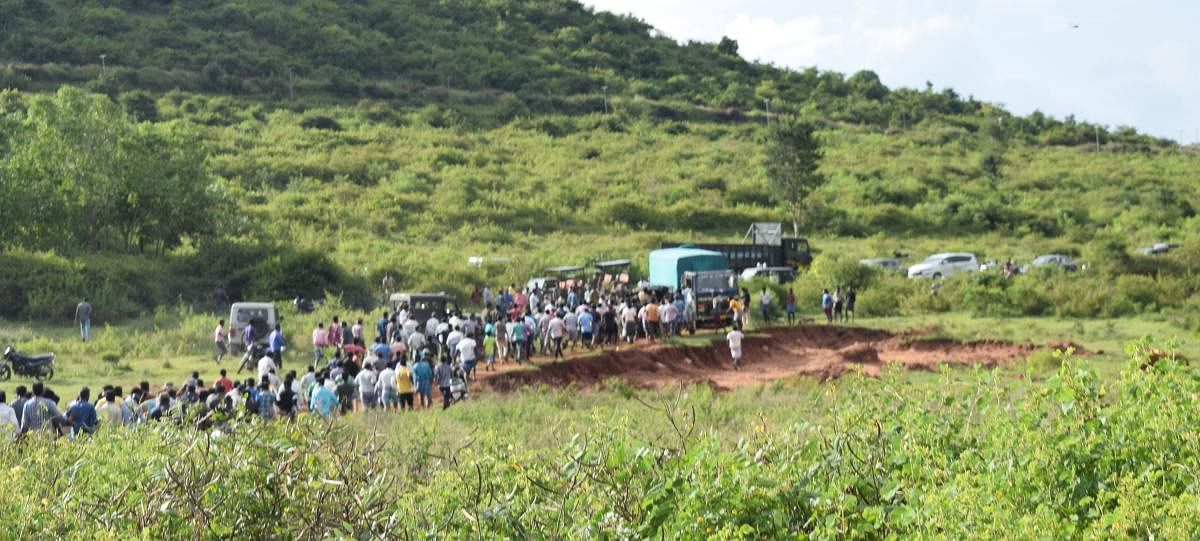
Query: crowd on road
(408, 357)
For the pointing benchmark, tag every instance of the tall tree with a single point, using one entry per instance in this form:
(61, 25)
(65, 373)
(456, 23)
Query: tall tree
(93, 179)
(793, 155)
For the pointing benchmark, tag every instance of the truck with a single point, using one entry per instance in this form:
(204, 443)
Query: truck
(705, 273)
(764, 244)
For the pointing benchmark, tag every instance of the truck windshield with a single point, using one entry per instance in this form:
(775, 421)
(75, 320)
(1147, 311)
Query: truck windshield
(715, 281)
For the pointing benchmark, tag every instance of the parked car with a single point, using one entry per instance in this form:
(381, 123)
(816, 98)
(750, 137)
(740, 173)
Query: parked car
(885, 263)
(1052, 260)
(778, 275)
(260, 315)
(947, 264)
(1157, 248)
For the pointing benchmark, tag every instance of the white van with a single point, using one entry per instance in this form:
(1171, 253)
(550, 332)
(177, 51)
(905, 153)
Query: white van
(939, 265)
(261, 315)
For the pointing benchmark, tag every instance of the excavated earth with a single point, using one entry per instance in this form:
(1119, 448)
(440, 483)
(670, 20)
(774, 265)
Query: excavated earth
(820, 351)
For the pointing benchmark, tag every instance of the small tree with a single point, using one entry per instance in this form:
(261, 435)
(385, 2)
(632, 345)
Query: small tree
(793, 155)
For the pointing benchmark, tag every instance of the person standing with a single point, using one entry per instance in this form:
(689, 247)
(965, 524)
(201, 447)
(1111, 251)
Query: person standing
(735, 345)
(83, 317)
(586, 327)
(320, 339)
(764, 303)
(40, 412)
(367, 380)
(466, 356)
(745, 308)
(219, 338)
(265, 400)
(385, 387)
(9, 423)
(791, 307)
(489, 346)
(276, 347)
(389, 285)
(442, 376)
(556, 328)
(851, 298)
(738, 309)
(404, 385)
(422, 375)
(356, 332)
(827, 305)
(838, 303)
(324, 402)
(82, 414)
(381, 326)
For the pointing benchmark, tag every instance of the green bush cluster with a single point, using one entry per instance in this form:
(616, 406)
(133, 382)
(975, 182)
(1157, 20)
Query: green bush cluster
(986, 455)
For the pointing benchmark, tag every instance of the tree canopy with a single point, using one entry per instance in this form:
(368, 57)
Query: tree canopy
(82, 175)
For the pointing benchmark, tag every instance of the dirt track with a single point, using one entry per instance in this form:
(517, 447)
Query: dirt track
(820, 351)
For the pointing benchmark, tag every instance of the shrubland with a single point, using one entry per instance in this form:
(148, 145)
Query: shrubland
(962, 454)
(296, 149)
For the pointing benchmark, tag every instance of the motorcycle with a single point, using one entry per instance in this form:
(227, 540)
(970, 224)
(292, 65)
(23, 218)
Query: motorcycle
(250, 359)
(35, 366)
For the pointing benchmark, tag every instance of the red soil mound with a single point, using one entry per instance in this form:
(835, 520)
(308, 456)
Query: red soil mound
(824, 352)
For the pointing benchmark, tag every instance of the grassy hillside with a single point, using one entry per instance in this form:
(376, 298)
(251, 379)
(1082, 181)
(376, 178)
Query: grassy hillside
(367, 164)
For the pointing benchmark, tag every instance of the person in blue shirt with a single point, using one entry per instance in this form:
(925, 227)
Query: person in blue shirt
(381, 326)
(324, 402)
(382, 349)
(422, 376)
(572, 300)
(586, 327)
(82, 414)
(275, 348)
(827, 305)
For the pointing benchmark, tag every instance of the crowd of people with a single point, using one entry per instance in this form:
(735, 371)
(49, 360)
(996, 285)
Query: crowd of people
(408, 356)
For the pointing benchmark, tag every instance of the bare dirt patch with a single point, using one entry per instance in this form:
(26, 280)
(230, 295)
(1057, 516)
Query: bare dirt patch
(824, 352)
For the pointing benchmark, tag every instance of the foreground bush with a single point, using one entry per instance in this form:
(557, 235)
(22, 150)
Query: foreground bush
(982, 456)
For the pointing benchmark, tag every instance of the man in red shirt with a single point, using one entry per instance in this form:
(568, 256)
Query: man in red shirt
(224, 382)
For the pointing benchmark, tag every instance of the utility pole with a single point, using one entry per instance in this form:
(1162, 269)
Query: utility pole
(605, 88)
(291, 86)
(1097, 138)
(103, 64)
(767, 105)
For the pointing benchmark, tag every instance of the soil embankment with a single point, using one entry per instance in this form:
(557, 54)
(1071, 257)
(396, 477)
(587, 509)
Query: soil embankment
(820, 351)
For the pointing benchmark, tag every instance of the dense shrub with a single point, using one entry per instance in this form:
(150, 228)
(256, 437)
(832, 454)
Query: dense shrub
(867, 458)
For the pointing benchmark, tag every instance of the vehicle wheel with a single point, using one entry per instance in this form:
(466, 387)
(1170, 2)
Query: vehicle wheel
(5, 373)
(937, 275)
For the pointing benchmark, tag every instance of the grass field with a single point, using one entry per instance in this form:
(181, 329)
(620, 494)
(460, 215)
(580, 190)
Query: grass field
(171, 343)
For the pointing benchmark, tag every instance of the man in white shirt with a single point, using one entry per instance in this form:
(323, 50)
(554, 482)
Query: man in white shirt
(9, 425)
(367, 379)
(431, 326)
(571, 326)
(389, 396)
(265, 366)
(453, 339)
(735, 345)
(464, 351)
(556, 329)
(416, 341)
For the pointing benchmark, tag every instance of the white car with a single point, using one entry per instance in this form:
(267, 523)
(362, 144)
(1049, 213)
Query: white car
(939, 265)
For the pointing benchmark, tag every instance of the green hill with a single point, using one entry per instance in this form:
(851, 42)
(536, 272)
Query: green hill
(285, 148)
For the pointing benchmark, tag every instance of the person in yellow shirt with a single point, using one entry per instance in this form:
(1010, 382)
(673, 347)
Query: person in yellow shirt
(404, 384)
(735, 306)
